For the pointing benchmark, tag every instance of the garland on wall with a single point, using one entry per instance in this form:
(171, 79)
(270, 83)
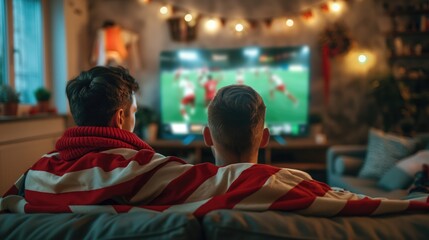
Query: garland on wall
(183, 21)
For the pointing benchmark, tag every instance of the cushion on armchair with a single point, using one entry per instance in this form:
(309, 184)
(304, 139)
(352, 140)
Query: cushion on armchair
(401, 175)
(384, 150)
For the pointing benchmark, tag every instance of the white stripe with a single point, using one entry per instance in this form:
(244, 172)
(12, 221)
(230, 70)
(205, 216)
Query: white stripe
(88, 179)
(159, 181)
(187, 207)
(48, 155)
(323, 206)
(219, 183)
(142, 210)
(276, 186)
(124, 152)
(92, 209)
(389, 206)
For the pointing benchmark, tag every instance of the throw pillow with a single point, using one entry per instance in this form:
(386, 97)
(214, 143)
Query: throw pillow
(384, 150)
(401, 176)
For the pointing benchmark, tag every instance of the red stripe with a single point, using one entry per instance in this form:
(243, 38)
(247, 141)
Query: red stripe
(362, 207)
(123, 190)
(105, 161)
(301, 196)
(418, 206)
(29, 208)
(179, 189)
(249, 181)
(159, 208)
(122, 208)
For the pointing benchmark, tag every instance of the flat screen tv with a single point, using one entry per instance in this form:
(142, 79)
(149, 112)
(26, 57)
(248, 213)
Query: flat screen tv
(190, 77)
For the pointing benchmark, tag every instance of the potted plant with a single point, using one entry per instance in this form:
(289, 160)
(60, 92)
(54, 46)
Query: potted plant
(43, 96)
(9, 99)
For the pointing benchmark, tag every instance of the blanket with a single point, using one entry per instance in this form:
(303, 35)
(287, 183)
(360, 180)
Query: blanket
(125, 174)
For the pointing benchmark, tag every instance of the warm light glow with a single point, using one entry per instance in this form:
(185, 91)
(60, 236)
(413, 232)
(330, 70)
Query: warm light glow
(336, 7)
(289, 22)
(163, 10)
(188, 17)
(144, 1)
(359, 61)
(239, 27)
(362, 58)
(212, 25)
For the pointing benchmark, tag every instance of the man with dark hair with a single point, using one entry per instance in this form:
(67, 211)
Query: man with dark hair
(99, 94)
(101, 166)
(235, 128)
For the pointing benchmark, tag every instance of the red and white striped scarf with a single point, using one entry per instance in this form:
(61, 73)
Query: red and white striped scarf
(96, 169)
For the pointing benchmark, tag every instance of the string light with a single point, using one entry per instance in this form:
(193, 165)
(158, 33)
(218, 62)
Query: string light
(212, 25)
(188, 17)
(239, 27)
(335, 6)
(163, 10)
(362, 58)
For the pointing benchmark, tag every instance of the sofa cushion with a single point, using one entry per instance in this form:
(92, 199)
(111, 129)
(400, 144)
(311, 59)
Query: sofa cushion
(401, 175)
(384, 150)
(136, 225)
(233, 224)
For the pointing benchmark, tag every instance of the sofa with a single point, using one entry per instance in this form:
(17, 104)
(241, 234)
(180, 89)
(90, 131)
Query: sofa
(219, 224)
(385, 167)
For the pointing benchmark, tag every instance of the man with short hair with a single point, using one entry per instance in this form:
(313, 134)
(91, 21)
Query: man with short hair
(235, 128)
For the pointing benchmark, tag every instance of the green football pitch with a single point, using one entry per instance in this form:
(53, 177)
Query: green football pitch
(280, 108)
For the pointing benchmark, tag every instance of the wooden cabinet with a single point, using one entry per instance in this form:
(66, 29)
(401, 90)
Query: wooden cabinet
(299, 153)
(23, 141)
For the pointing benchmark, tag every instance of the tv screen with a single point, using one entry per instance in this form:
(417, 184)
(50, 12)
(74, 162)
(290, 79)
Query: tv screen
(189, 78)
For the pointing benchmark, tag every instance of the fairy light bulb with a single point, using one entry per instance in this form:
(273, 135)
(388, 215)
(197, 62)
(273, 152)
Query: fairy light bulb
(239, 27)
(336, 7)
(362, 58)
(211, 24)
(188, 17)
(289, 22)
(163, 10)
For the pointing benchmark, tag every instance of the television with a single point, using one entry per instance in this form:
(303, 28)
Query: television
(281, 75)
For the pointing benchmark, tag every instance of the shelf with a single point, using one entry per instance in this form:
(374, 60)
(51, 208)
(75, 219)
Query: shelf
(295, 151)
(406, 12)
(410, 57)
(407, 34)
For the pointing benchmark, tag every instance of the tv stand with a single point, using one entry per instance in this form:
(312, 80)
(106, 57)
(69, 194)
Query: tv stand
(298, 153)
(279, 139)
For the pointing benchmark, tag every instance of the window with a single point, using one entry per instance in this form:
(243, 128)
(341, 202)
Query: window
(3, 43)
(28, 57)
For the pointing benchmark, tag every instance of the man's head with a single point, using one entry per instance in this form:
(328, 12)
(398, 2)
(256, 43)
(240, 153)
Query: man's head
(236, 122)
(103, 96)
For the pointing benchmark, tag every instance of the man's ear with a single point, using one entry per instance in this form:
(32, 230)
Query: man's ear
(207, 137)
(265, 138)
(118, 119)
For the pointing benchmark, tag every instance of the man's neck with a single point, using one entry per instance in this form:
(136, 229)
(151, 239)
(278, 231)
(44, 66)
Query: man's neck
(225, 157)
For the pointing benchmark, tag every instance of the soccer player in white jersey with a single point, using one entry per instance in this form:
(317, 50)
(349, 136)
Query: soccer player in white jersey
(280, 86)
(188, 98)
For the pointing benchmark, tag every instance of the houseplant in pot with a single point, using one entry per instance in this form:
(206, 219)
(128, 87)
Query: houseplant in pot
(43, 96)
(9, 99)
